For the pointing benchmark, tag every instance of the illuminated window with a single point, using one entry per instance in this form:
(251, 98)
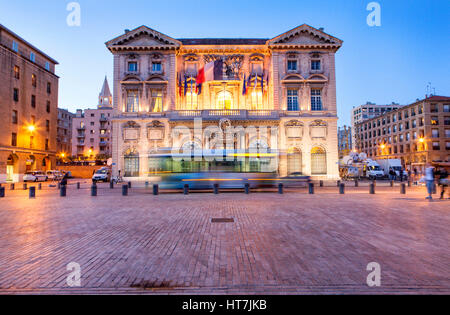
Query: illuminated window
(318, 161)
(224, 100)
(435, 120)
(33, 80)
(16, 72)
(132, 101)
(156, 101)
(316, 100)
(256, 99)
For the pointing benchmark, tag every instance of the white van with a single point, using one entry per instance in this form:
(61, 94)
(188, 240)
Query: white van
(373, 170)
(392, 164)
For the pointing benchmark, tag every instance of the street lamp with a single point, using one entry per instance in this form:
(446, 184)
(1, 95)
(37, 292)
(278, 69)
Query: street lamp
(31, 128)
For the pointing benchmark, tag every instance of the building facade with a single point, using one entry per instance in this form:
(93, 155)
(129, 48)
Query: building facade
(92, 128)
(417, 134)
(64, 133)
(368, 111)
(345, 145)
(28, 108)
(280, 92)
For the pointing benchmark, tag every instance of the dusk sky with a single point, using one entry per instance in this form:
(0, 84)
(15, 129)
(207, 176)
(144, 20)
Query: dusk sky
(393, 62)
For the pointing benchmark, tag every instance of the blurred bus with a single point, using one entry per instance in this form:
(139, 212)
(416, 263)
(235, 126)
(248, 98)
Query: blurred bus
(204, 168)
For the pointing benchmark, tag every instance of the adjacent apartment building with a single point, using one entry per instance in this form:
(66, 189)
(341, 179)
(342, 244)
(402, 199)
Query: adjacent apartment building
(227, 95)
(417, 134)
(91, 129)
(368, 111)
(64, 134)
(28, 107)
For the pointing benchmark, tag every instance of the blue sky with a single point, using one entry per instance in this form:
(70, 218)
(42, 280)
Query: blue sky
(393, 62)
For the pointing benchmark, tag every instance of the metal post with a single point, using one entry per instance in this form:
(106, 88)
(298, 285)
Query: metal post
(2, 192)
(124, 190)
(321, 183)
(146, 185)
(409, 183)
(111, 185)
(186, 189)
(372, 189)
(78, 186)
(392, 183)
(155, 189)
(39, 186)
(280, 188)
(311, 188)
(62, 191)
(338, 183)
(342, 189)
(94, 190)
(12, 186)
(32, 192)
(403, 189)
(356, 183)
(247, 188)
(25, 187)
(216, 189)
(129, 184)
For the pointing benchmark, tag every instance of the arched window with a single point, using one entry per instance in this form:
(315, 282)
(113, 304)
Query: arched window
(294, 161)
(318, 161)
(131, 163)
(224, 100)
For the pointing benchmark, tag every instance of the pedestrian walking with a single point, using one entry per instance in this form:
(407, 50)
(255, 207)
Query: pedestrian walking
(429, 179)
(443, 181)
(64, 180)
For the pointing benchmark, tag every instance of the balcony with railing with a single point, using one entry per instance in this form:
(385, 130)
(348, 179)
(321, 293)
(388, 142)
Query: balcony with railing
(239, 114)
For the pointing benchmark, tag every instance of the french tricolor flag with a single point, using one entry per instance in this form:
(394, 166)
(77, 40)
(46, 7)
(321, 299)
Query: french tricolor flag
(212, 71)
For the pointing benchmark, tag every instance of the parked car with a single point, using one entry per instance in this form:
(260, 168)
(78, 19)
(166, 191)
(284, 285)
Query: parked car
(54, 175)
(35, 176)
(102, 175)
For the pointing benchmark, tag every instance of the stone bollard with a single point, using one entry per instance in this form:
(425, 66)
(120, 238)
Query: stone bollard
(147, 184)
(280, 188)
(321, 183)
(111, 185)
(94, 190)
(12, 186)
(342, 189)
(39, 186)
(62, 191)
(78, 186)
(25, 187)
(32, 192)
(216, 189)
(356, 183)
(403, 189)
(129, 184)
(372, 189)
(2, 192)
(124, 190)
(186, 189)
(392, 183)
(311, 188)
(247, 188)
(155, 190)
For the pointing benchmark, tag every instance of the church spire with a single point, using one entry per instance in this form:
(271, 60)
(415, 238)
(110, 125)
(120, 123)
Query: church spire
(105, 96)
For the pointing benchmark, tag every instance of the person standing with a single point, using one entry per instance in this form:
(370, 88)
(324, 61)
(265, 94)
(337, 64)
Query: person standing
(429, 179)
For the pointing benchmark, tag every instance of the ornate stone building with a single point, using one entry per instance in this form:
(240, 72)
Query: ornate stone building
(282, 89)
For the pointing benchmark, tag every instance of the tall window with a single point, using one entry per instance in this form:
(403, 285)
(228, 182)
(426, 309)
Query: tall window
(132, 66)
(47, 66)
(132, 101)
(33, 101)
(315, 65)
(256, 98)
(131, 163)
(14, 117)
(156, 67)
(292, 65)
(49, 87)
(224, 100)
(294, 161)
(32, 57)
(292, 100)
(156, 101)
(33, 80)
(15, 46)
(16, 72)
(316, 99)
(318, 161)
(48, 107)
(14, 139)
(16, 95)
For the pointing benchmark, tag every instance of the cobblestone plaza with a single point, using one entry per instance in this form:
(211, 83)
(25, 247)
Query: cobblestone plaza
(293, 243)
